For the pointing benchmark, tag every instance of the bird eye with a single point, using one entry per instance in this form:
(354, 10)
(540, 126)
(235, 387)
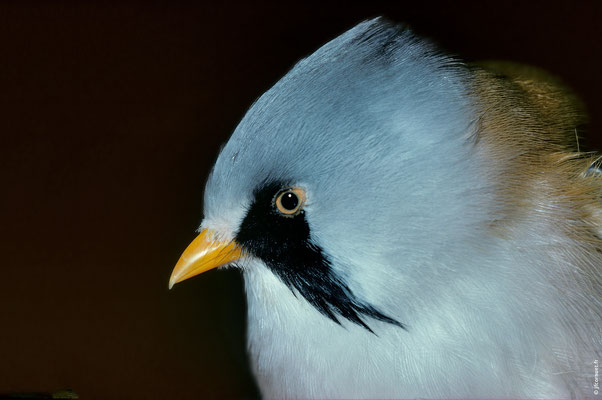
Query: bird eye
(289, 202)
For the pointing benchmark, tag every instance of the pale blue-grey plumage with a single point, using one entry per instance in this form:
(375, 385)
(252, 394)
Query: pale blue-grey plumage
(380, 130)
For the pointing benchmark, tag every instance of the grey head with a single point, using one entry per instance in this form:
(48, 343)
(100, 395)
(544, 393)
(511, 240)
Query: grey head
(376, 128)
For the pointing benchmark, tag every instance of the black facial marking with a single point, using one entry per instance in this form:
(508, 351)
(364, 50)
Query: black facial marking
(284, 244)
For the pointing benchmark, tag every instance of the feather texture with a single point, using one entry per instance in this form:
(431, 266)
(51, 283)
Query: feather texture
(448, 196)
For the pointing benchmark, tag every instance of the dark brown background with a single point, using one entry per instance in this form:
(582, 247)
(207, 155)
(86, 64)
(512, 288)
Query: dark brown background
(111, 115)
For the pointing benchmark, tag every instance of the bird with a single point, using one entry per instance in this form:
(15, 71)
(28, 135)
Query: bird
(410, 225)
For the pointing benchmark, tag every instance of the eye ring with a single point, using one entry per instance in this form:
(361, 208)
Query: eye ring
(290, 202)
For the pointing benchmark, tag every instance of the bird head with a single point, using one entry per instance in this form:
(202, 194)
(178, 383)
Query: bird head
(351, 180)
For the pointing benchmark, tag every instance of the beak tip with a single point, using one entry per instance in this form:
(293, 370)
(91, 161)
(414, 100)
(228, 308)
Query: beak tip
(172, 282)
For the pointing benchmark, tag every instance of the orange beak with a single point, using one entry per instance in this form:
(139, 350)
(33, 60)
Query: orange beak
(203, 254)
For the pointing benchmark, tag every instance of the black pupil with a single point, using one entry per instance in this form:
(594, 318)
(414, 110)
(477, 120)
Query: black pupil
(289, 201)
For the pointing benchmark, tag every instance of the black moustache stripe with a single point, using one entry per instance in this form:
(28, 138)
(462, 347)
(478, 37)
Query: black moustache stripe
(284, 244)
